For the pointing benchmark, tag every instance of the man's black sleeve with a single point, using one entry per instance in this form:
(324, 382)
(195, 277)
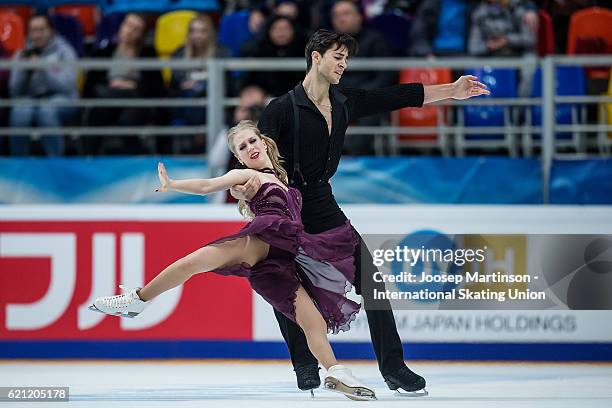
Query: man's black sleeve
(363, 102)
(271, 122)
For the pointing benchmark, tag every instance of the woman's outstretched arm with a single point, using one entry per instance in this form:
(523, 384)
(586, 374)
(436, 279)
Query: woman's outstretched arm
(202, 186)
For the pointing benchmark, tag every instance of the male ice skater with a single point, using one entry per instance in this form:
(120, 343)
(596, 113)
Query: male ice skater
(312, 149)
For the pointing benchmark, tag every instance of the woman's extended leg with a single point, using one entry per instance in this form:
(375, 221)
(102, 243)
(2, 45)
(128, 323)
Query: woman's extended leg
(338, 377)
(247, 249)
(310, 320)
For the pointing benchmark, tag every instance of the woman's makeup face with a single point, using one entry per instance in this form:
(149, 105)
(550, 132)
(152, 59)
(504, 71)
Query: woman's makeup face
(250, 149)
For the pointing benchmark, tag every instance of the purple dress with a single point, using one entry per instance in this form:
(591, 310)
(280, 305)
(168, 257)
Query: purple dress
(322, 263)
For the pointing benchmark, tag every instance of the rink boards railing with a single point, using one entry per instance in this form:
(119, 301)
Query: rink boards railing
(54, 260)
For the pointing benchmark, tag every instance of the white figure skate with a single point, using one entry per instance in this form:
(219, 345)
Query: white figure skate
(340, 379)
(128, 304)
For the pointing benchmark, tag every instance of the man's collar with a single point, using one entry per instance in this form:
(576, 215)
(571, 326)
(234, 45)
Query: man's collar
(300, 96)
(302, 99)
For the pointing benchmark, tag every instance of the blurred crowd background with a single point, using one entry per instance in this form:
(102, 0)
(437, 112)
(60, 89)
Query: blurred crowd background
(52, 30)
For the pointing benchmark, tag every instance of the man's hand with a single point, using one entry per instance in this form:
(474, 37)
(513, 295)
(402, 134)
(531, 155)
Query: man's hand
(188, 84)
(247, 190)
(468, 86)
(497, 43)
(119, 83)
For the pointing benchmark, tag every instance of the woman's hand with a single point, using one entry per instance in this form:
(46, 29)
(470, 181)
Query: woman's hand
(164, 180)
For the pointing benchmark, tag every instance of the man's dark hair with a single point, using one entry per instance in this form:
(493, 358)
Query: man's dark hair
(323, 40)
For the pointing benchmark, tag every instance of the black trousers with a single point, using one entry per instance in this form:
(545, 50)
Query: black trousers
(385, 339)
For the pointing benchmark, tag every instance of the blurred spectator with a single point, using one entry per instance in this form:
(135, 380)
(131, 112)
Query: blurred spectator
(500, 28)
(441, 28)
(297, 10)
(201, 43)
(287, 8)
(122, 81)
(347, 18)
(506, 28)
(251, 103)
(280, 39)
(54, 84)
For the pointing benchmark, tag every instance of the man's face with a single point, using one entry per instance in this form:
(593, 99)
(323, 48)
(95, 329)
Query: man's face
(288, 9)
(346, 18)
(39, 32)
(281, 33)
(333, 63)
(131, 30)
(249, 97)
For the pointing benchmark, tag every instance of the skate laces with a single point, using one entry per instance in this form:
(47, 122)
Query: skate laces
(120, 301)
(342, 372)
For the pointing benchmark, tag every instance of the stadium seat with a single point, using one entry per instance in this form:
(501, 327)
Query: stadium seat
(69, 28)
(546, 34)
(502, 82)
(171, 31)
(234, 31)
(107, 28)
(195, 5)
(137, 6)
(427, 116)
(590, 32)
(86, 14)
(594, 22)
(569, 80)
(396, 28)
(12, 32)
(24, 11)
(605, 117)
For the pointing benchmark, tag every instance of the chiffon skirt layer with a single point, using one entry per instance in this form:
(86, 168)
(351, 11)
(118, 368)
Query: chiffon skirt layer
(322, 263)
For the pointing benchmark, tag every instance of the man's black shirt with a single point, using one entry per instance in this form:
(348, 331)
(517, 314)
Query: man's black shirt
(319, 151)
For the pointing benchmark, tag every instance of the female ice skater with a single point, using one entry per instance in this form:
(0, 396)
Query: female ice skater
(304, 276)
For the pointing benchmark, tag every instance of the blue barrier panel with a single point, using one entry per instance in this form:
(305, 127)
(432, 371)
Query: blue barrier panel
(581, 182)
(277, 350)
(100, 180)
(471, 180)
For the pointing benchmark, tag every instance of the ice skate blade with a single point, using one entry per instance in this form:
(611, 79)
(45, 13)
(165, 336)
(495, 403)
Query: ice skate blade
(129, 315)
(354, 393)
(412, 394)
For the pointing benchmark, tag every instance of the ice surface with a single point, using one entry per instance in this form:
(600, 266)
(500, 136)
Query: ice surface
(248, 384)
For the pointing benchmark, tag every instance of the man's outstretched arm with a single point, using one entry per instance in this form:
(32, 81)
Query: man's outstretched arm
(465, 87)
(381, 100)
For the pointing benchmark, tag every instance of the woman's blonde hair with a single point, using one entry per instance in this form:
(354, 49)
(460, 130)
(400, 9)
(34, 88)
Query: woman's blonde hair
(211, 47)
(273, 154)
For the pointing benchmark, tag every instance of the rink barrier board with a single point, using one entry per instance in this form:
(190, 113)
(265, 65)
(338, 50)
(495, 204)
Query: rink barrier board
(146, 228)
(196, 349)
